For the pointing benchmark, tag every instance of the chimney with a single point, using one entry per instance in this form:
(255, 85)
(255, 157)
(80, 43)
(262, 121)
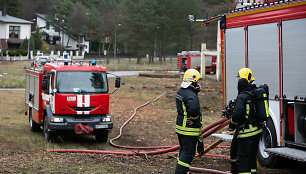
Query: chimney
(4, 10)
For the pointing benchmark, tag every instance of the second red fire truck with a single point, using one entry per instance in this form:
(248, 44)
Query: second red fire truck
(192, 59)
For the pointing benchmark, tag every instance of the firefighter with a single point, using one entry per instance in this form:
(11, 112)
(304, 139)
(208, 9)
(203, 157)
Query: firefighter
(246, 137)
(189, 121)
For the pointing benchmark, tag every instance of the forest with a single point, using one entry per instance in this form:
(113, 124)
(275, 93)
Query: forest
(140, 26)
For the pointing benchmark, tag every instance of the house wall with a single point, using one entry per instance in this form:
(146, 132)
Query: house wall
(72, 42)
(25, 30)
(86, 48)
(3, 30)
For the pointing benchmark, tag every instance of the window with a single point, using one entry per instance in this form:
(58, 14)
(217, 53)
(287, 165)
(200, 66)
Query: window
(52, 81)
(81, 82)
(14, 31)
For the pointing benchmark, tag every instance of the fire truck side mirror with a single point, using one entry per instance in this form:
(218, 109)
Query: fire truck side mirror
(44, 83)
(117, 83)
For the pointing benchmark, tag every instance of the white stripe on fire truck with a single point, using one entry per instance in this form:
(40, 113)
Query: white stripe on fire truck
(86, 112)
(80, 112)
(87, 100)
(79, 100)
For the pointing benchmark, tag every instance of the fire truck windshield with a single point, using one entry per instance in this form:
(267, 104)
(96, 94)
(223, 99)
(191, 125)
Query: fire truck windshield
(81, 82)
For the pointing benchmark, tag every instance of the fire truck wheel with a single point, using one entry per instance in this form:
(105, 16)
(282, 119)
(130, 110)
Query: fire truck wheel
(49, 135)
(267, 140)
(33, 125)
(102, 136)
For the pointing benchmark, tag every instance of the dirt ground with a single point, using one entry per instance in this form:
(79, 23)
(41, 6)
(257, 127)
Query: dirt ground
(23, 151)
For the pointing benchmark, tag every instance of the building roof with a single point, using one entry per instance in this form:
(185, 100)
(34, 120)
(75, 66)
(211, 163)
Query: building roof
(41, 15)
(11, 19)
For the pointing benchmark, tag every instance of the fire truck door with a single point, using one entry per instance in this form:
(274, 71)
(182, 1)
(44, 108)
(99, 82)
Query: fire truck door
(263, 55)
(294, 51)
(234, 60)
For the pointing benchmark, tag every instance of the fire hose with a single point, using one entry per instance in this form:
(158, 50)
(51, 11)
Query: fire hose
(208, 130)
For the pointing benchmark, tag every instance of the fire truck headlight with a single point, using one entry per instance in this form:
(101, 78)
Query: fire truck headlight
(57, 120)
(107, 119)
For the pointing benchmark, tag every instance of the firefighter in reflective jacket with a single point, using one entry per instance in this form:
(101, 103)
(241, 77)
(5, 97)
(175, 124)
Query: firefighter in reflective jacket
(246, 137)
(189, 121)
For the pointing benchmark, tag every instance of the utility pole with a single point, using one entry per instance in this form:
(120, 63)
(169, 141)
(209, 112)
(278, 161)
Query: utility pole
(1, 50)
(154, 54)
(29, 56)
(115, 48)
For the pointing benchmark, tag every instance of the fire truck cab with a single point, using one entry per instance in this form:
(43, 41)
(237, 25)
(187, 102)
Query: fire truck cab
(61, 95)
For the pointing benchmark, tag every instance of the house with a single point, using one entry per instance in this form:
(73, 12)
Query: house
(59, 36)
(13, 31)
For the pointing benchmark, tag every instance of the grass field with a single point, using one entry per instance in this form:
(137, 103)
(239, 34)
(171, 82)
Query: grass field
(12, 74)
(131, 65)
(25, 152)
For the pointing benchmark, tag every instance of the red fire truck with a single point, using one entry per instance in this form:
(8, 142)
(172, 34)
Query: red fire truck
(192, 59)
(61, 95)
(270, 40)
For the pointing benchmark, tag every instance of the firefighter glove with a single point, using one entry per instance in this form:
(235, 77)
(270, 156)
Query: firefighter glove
(200, 145)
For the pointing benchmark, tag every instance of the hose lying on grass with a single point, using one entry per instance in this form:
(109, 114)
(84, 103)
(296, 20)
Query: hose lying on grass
(208, 130)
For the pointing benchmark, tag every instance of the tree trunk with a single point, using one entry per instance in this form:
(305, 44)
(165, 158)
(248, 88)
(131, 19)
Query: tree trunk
(138, 60)
(107, 59)
(151, 57)
(99, 50)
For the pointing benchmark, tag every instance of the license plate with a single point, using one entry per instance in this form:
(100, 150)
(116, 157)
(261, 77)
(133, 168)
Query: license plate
(101, 126)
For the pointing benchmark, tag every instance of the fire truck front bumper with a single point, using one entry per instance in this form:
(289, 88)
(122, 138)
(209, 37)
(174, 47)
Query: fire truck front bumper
(59, 123)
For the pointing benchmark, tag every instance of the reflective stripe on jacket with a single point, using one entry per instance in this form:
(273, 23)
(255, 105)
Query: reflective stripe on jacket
(242, 113)
(188, 106)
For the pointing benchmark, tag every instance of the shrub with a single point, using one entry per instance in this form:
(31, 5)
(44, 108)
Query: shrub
(17, 52)
(12, 52)
(4, 52)
(24, 52)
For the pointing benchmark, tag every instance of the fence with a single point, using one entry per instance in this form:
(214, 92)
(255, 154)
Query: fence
(65, 54)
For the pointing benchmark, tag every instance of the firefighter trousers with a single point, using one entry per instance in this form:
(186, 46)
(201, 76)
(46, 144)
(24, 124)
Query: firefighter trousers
(186, 154)
(243, 154)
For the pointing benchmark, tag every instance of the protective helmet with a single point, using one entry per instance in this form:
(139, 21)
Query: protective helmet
(245, 73)
(190, 76)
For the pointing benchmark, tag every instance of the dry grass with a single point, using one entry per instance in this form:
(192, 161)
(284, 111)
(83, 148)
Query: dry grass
(23, 151)
(131, 65)
(153, 125)
(13, 74)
